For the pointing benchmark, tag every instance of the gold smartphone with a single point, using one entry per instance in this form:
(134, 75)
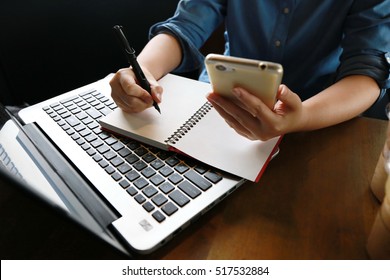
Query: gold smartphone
(261, 78)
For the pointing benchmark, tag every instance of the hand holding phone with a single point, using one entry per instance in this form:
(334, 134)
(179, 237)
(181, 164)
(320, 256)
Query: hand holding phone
(261, 78)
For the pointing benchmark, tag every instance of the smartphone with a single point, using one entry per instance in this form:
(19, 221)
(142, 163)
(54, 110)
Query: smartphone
(261, 78)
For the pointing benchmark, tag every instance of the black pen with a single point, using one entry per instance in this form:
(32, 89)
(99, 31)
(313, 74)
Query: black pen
(132, 59)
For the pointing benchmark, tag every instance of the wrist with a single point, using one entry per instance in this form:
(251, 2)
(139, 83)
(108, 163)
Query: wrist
(302, 121)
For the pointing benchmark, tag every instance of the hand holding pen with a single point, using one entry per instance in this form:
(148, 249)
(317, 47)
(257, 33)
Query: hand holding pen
(132, 59)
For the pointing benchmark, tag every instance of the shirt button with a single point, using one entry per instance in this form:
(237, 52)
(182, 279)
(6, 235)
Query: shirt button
(277, 43)
(286, 10)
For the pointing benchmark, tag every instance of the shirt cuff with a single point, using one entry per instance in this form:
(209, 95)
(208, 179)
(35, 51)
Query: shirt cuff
(374, 64)
(192, 58)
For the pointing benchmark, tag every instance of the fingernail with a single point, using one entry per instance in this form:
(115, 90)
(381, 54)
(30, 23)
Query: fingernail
(159, 95)
(209, 96)
(158, 92)
(283, 91)
(236, 92)
(212, 98)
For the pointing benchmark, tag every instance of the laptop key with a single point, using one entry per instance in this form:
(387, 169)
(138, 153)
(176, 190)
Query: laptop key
(109, 155)
(166, 187)
(117, 146)
(97, 157)
(116, 161)
(179, 198)
(72, 121)
(148, 206)
(95, 114)
(169, 208)
(132, 191)
(141, 183)
(172, 161)
(124, 183)
(103, 149)
(140, 198)
(213, 177)
(96, 143)
(157, 164)
(91, 152)
(81, 115)
(109, 169)
(133, 145)
(116, 176)
(132, 158)
(175, 178)
(158, 216)
(91, 137)
(157, 179)
(181, 168)
(139, 165)
(159, 199)
(141, 151)
(198, 180)
(124, 152)
(148, 172)
(132, 175)
(103, 163)
(149, 191)
(124, 168)
(201, 169)
(189, 189)
(105, 111)
(110, 140)
(149, 157)
(166, 171)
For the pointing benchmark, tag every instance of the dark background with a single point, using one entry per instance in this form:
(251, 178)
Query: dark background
(50, 47)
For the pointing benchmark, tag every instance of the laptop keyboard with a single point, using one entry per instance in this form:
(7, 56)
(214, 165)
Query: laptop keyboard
(161, 182)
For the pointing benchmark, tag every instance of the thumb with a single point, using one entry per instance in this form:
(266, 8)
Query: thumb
(289, 99)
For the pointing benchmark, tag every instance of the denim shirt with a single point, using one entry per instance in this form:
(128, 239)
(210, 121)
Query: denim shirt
(318, 42)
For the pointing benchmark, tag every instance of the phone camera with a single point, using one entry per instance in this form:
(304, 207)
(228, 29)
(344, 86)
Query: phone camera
(220, 67)
(263, 66)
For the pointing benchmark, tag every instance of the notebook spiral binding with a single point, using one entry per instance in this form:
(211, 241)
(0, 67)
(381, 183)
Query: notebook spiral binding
(189, 124)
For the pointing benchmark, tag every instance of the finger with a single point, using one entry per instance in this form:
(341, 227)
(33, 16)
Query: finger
(289, 99)
(117, 91)
(127, 94)
(253, 104)
(262, 127)
(157, 92)
(233, 122)
(233, 112)
(132, 89)
(237, 118)
(156, 89)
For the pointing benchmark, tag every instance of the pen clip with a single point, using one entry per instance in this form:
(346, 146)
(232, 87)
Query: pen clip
(122, 38)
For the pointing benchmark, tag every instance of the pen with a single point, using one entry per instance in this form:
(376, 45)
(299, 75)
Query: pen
(132, 59)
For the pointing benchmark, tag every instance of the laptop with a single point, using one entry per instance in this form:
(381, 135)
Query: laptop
(133, 196)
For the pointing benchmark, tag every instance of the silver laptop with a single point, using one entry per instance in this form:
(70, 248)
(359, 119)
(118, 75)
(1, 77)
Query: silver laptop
(134, 196)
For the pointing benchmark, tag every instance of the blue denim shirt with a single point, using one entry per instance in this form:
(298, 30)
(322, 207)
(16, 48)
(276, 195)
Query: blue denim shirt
(318, 42)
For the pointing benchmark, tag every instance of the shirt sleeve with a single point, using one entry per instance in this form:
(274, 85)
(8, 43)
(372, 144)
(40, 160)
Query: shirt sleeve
(366, 44)
(192, 24)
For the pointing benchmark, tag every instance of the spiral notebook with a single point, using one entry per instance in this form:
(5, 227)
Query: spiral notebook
(188, 123)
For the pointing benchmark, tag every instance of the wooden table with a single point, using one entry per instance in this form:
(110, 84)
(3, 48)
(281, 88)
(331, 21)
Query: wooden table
(313, 202)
